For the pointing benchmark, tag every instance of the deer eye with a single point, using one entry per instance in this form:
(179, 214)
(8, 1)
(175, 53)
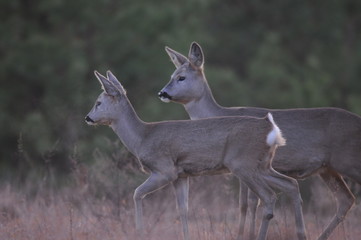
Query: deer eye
(181, 79)
(97, 104)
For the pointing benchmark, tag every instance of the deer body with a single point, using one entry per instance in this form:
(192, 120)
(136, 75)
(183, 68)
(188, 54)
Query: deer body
(323, 141)
(324, 132)
(185, 154)
(174, 150)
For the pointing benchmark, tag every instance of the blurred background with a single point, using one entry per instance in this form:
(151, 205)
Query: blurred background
(274, 54)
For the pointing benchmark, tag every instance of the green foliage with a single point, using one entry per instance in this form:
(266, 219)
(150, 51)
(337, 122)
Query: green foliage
(278, 54)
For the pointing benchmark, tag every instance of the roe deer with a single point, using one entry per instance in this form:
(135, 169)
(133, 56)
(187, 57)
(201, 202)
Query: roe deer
(173, 150)
(323, 141)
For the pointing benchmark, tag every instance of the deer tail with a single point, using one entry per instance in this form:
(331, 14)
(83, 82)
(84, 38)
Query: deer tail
(275, 136)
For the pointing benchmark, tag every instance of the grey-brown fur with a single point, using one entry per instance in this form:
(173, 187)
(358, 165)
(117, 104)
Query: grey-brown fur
(174, 150)
(323, 141)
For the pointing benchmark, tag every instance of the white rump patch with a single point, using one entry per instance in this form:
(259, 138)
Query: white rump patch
(275, 136)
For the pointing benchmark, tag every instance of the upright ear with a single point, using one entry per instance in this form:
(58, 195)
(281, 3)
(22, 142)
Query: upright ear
(107, 86)
(195, 55)
(115, 82)
(177, 58)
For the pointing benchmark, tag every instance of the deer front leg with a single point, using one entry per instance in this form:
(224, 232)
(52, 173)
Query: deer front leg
(253, 205)
(153, 183)
(289, 186)
(247, 199)
(243, 205)
(181, 189)
(268, 198)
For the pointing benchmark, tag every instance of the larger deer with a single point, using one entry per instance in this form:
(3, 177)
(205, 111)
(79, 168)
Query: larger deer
(174, 150)
(321, 141)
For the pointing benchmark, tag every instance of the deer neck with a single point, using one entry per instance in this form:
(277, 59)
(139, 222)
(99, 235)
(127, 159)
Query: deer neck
(129, 127)
(204, 107)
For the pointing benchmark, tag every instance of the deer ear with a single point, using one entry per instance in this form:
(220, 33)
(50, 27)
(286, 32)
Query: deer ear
(195, 55)
(177, 58)
(107, 86)
(115, 82)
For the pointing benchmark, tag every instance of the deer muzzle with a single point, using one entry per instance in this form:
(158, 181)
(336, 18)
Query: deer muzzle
(88, 120)
(164, 96)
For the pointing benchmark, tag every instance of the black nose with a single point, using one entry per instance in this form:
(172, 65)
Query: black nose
(162, 94)
(88, 119)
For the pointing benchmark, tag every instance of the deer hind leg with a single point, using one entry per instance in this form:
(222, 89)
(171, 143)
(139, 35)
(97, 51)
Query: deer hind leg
(153, 183)
(345, 199)
(289, 186)
(181, 189)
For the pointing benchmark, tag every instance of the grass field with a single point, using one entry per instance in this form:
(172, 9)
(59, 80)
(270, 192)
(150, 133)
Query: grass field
(80, 214)
(95, 202)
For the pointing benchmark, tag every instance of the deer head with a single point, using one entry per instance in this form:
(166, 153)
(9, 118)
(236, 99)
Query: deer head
(187, 82)
(108, 105)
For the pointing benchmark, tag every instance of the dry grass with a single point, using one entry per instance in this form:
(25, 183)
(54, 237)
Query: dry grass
(97, 204)
(72, 215)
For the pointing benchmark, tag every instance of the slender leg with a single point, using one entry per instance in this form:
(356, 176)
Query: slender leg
(253, 205)
(243, 203)
(153, 183)
(290, 187)
(345, 200)
(181, 187)
(267, 196)
(248, 199)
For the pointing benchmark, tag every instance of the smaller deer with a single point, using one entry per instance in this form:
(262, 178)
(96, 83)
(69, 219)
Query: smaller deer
(174, 150)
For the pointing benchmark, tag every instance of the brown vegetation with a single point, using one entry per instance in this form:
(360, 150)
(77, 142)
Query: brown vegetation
(97, 204)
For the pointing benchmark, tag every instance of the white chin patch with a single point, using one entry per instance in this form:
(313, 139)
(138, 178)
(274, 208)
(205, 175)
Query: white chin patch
(166, 100)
